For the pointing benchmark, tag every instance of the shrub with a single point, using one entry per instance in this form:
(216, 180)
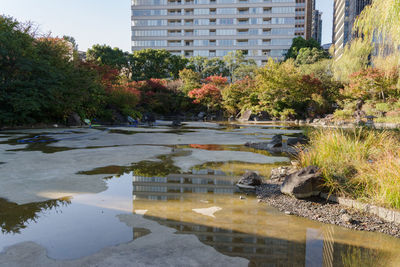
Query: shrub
(287, 114)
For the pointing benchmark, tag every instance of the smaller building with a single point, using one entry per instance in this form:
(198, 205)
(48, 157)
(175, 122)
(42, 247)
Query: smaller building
(316, 31)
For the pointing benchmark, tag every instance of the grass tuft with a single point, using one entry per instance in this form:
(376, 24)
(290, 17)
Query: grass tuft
(359, 163)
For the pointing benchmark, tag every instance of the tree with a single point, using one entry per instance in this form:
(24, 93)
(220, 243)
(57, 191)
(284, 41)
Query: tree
(113, 57)
(299, 43)
(190, 80)
(208, 67)
(310, 55)
(355, 58)
(380, 19)
(239, 67)
(39, 81)
(239, 96)
(208, 95)
(155, 63)
(372, 83)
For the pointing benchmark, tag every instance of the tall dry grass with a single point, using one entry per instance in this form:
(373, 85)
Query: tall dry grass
(359, 163)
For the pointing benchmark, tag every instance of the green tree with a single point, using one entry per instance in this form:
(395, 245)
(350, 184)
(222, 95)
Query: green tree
(38, 80)
(310, 55)
(190, 80)
(381, 18)
(112, 57)
(238, 66)
(208, 67)
(299, 43)
(155, 63)
(355, 57)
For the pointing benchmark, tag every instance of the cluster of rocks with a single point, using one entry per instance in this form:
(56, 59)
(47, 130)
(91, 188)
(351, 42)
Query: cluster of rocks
(278, 145)
(299, 194)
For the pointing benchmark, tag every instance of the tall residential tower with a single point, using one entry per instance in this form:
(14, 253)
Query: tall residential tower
(212, 28)
(345, 13)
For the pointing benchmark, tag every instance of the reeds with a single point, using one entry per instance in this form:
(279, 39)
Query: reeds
(359, 163)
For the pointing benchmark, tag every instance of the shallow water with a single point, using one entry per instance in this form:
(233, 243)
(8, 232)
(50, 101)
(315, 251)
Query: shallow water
(201, 201)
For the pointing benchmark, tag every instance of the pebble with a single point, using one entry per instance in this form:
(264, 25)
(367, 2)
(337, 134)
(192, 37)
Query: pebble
(319, 210)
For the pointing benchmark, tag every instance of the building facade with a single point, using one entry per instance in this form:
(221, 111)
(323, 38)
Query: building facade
(316, 32)
(345, 13)
(212, 28)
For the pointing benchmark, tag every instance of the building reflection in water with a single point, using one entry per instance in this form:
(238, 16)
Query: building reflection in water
(315, 248)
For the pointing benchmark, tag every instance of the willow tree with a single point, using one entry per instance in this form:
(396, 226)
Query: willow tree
(380, 20)
(380, 23)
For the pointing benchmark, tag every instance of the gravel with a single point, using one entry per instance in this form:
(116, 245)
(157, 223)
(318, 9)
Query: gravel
(324, 211)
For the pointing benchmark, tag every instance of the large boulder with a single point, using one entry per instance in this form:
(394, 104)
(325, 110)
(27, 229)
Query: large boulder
(74, 120)
(304, 183)
(249, 180)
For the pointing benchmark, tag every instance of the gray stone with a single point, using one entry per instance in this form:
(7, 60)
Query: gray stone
(246, 115)
(74, 120)
(346, 218)
(304, 183)
(249, 180)
(294, 141)
(280, 173)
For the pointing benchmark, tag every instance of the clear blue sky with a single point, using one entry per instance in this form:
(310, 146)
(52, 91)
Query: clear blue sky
(100, 21)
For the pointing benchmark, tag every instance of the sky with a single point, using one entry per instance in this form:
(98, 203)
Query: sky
(100, 21)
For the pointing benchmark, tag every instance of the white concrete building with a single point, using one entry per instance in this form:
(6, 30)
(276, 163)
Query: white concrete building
(212, 28)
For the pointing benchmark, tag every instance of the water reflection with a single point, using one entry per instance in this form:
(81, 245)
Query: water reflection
(245, 228)
(239, 227)
(14, 217)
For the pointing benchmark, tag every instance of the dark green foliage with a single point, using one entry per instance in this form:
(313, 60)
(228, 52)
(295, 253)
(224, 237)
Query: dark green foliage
(310, 56)
(39, 80)
(299, 43)
(208, 66)
(155, 63)
(112, 57)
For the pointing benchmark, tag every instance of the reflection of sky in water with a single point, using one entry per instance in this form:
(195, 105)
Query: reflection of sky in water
(203, 202)
(82, 228)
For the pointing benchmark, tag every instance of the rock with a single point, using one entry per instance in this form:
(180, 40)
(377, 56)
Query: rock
(279, 173)
(346, 218)
(304, 183)
(294, 141)
(249, 180)
(117, 117)
(176, 122)
(274, 146)
(246, 115)
(74, 120)
(295, 163)
(276, 141)
(149, 118)
(288, 213)
(201, 115)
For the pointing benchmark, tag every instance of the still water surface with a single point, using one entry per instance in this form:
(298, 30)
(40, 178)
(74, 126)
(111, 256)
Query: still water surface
(203, 202)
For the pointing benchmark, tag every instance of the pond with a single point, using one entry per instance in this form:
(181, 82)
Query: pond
(159, 196)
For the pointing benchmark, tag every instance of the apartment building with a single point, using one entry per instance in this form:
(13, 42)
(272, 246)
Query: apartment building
(213, 28)
(345, 13)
